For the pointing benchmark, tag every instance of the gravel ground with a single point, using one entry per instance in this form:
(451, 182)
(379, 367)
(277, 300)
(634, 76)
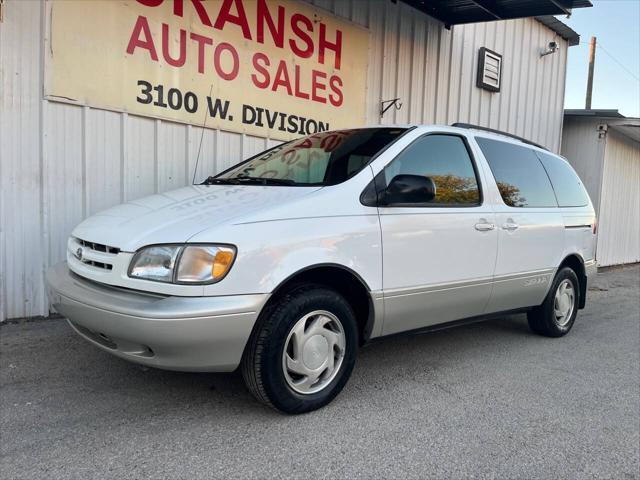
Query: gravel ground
(485, 400)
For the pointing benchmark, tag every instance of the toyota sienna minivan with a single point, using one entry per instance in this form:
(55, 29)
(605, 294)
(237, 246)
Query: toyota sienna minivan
(285, 264)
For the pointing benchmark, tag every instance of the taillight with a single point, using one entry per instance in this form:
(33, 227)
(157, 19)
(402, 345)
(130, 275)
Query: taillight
(594, 226)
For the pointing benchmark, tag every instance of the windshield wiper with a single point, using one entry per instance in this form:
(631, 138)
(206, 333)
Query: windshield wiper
(220, 181)
(248, 180)
(264, 181)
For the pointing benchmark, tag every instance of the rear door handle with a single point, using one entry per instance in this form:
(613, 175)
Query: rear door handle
(510, 226)
(485, 226)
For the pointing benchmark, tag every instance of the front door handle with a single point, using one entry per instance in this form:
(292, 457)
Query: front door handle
(510, 226)
(484, 226)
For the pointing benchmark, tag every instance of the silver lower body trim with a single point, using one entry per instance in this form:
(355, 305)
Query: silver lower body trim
(417, 307)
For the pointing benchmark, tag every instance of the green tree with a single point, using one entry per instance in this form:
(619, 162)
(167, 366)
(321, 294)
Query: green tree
(455, 189)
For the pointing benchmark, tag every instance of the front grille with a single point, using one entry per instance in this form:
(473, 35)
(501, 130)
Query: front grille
(104, 266)
(93, 254)
(98, 247)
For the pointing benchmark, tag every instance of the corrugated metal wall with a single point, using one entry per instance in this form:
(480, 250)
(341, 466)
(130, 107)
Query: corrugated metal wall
(584, 149)
(619, 226)
(609, 166)
(60, 163)
(23, 242)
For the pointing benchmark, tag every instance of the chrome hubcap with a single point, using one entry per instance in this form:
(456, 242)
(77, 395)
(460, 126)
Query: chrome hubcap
(563, 304)
(313, 352)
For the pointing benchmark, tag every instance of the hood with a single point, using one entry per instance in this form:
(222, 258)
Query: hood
(176, 216)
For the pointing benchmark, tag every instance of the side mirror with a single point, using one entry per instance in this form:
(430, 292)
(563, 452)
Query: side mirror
(410, 189)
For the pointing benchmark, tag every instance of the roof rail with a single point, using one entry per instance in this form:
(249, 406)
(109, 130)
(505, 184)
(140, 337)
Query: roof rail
(499, 132)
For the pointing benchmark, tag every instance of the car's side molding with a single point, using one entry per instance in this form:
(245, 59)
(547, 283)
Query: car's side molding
(451, 324)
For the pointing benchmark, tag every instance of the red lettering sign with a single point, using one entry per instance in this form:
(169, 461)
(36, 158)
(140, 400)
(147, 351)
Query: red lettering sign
(269, 24)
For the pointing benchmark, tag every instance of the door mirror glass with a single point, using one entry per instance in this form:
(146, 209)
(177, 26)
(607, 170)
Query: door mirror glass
(410, 189)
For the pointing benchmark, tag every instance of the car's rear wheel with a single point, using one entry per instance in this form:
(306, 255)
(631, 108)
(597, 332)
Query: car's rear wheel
(302, 351)
(557, 314)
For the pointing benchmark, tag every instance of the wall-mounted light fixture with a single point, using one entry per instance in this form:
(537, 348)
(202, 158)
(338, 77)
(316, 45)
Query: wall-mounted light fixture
(552, 47)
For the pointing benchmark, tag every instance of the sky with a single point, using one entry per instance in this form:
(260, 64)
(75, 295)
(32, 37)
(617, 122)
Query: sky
(616, 24)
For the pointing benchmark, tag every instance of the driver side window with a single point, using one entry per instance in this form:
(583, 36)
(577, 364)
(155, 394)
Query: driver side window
(445, 159)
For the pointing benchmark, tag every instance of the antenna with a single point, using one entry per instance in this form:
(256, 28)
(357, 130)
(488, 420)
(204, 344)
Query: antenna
(204, 125)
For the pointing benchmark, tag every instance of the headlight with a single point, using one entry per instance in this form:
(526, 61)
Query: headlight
(190, 264)
(155, 263)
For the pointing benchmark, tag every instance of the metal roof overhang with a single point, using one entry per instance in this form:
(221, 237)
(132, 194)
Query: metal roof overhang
(627, 126)
(631, 128)
(456, 12)
(593, 112)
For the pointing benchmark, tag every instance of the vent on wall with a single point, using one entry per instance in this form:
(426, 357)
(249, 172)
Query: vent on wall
(489, 70)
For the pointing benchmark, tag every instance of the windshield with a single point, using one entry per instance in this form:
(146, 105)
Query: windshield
(325, 158)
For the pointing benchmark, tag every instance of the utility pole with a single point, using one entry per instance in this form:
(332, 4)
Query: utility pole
(592, 60)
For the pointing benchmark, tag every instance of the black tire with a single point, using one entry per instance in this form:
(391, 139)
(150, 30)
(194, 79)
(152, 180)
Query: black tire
(261, 366)
(542, 319)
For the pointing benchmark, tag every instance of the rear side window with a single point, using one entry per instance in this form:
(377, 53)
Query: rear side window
(446, 160)
(569, 189)
(521, 179)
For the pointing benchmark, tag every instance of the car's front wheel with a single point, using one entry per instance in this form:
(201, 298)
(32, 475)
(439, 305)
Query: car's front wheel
(302, 351)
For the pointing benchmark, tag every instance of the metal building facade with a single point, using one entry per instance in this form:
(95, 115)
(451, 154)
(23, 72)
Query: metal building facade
(604, 149)
(60, 163)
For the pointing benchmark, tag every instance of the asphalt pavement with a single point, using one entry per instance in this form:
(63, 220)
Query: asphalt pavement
(485, 400)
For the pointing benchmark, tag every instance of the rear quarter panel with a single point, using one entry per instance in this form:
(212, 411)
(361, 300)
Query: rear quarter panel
(579, 236)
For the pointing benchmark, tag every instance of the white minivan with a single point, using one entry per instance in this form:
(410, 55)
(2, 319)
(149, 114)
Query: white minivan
(286, 263)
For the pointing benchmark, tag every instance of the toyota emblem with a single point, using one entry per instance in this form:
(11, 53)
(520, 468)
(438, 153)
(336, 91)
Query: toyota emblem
(79, 253)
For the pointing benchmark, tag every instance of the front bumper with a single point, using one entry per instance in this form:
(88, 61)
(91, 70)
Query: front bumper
(176, 333)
